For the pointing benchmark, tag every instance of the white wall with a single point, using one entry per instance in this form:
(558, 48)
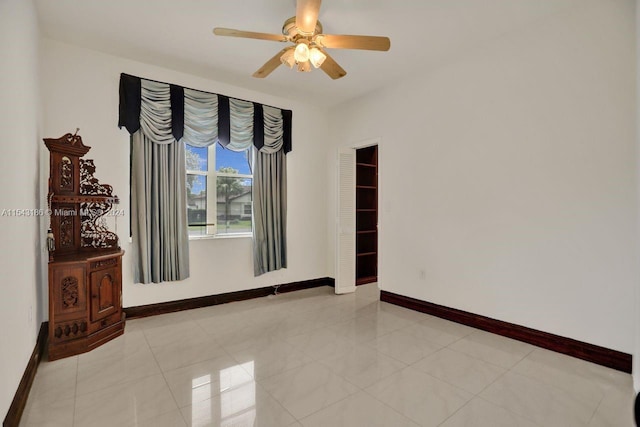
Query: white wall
(80, 89)
(517, 163)
(20, 247)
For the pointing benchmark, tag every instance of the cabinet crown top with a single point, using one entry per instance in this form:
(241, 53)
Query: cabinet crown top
(67, 144)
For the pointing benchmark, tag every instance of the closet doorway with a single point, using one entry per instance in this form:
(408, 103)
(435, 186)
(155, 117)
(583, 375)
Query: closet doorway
(366, 215)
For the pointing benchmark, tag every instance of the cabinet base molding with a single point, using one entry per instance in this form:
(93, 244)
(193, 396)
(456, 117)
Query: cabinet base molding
(85, 344)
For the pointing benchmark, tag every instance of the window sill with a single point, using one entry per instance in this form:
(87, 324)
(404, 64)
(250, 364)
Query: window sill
(222, 237)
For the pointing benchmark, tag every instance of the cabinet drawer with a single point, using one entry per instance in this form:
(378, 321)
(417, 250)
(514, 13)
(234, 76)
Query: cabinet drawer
(104, 263)
(104, 322)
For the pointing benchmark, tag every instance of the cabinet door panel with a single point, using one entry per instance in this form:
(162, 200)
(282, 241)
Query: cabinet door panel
(105, 293)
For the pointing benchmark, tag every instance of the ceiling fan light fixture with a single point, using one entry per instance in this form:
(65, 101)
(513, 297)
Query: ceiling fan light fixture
(304, 67)
(316, 57)
(309, 44)
(288, 59)
(301, 53)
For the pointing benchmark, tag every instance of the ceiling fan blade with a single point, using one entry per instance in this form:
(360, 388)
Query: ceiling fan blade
(331, 67)
(307, 15)
(229, 32)
(354, 42)
(270, 65)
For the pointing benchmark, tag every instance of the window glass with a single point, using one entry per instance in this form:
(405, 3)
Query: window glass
(233, 195)
(237, 160)
(197, 204)
(196, 158)
(219, 202)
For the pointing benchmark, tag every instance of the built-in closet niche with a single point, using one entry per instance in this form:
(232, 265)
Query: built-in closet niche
(366, 215)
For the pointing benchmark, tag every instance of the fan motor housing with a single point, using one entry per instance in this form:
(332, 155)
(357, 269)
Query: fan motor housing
(290, 30)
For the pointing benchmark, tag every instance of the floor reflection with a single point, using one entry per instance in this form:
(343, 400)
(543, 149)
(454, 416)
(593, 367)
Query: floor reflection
(234, 403)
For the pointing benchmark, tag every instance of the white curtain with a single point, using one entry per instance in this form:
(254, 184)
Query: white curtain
(241, 113)
(200, 118)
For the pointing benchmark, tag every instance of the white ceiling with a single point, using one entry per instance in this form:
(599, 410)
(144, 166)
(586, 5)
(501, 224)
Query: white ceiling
(177, 34)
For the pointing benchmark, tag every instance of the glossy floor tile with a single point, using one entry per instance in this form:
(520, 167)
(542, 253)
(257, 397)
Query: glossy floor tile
(106, 367)
(313, 358)
(492, 348)
(124, 404)
(55, 381)
(544, 404)
(424, 399)
(480, 413)
(461, 370)
(243, 405)
(57, 413)
(307, 389)
(358, 410)
(195, 383)
(362, 366)
(404, 346)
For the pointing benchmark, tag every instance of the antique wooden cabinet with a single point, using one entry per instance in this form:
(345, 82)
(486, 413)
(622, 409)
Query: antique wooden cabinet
(85, 259)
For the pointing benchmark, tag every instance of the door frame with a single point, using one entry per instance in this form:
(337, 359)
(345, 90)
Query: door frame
(355, 146)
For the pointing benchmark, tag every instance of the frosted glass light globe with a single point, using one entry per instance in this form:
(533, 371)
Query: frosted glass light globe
(301, 53)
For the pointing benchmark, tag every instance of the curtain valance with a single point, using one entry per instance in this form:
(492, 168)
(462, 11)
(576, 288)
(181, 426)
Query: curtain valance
(167, 113)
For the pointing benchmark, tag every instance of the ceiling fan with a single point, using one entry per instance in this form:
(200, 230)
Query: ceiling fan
(309, 43)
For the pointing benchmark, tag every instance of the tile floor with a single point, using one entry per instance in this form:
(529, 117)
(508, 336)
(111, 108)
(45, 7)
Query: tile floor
(313, 358)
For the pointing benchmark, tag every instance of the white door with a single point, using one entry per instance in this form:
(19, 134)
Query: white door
(346, 222)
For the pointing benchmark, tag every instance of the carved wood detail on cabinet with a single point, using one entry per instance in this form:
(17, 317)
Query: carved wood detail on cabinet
(69, 291)
(66, 174)
(66, 229)
(66, 331)
(85, 267)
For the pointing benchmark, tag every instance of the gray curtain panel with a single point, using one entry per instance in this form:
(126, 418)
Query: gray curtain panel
(269, 212)
(158, 197)
(270, 198)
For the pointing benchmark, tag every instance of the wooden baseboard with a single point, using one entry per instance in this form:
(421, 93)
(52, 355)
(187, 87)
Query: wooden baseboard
(191, 303)
(366, 280)
(582, 350)
(22, 393)
(306, 284)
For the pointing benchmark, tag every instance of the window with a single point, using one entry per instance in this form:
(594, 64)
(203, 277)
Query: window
(218, 191)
